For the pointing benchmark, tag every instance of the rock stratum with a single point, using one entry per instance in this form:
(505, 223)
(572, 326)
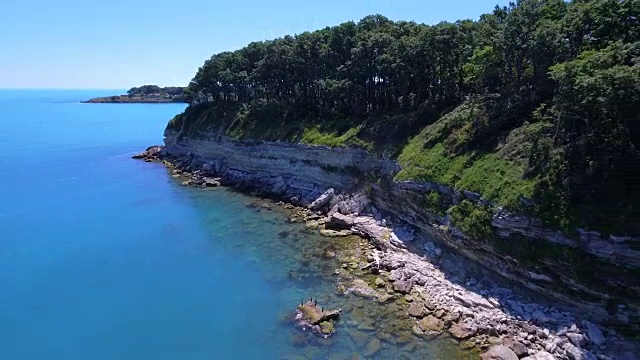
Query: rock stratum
(590, 279)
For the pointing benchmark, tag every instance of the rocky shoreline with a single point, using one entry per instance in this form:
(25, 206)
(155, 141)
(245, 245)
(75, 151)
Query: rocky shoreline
(439, 289)
(126, 99)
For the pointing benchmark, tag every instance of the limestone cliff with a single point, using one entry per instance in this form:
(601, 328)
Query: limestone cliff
(599, 274)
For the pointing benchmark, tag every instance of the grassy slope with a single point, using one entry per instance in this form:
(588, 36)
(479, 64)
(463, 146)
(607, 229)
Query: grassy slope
(497, 175)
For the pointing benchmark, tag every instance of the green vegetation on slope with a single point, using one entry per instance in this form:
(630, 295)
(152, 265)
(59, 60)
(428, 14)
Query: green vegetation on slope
(539, 100)
(155, 89)
(349, 138)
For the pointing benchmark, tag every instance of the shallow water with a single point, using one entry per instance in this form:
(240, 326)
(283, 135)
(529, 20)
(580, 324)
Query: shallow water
(105, 257)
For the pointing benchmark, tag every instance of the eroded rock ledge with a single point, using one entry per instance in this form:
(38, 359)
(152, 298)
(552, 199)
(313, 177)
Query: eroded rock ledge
(412, 261)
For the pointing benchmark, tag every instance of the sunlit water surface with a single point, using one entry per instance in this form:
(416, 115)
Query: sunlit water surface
(104, 257)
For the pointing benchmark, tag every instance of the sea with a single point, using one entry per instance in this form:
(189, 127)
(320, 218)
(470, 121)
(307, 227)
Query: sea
(105, 257)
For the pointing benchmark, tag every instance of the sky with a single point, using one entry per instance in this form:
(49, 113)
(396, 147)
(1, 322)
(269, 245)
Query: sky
(118, 44)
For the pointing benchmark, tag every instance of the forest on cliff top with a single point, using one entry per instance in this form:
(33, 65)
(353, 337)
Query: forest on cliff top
(535, 105)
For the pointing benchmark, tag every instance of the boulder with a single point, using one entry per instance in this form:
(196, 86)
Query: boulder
(360, 288)
(452, 317)
(338, 221)
(542, 355)
(402, 286)
(417, 310)
(343, 208)
(594, 334)
(576, 339)
(463, 331)
(384, 298)
(519, 349)
(323, 200)
(472, 300)
(355, 204)
(575, 353)
(430, 324)
(516, 346)
(499, 352)
(209, 182)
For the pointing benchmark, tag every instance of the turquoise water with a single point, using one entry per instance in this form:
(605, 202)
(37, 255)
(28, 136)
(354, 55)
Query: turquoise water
(104, 257)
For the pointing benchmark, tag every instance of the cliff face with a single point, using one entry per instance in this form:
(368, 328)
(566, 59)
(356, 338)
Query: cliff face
(285, 169)
(599, 274)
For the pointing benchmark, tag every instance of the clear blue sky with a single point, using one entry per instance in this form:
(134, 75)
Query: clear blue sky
(124, 43)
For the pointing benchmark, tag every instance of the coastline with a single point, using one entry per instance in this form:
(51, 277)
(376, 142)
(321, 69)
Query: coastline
(132, 100)
(440, 290)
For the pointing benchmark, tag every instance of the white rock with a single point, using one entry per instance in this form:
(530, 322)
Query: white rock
(575, 353)
(542, 355)
(323, 199)
(472, 299)
(576, 339)
(594, 334)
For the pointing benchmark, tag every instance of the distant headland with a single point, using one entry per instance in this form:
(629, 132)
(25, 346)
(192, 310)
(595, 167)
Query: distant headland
(146, 94)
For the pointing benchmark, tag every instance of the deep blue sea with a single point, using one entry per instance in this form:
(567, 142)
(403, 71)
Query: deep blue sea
(105, 257)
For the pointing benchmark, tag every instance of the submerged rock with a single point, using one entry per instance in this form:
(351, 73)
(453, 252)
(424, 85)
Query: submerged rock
(430, 324)
(373, 347)
(333, 233)
(360, 288)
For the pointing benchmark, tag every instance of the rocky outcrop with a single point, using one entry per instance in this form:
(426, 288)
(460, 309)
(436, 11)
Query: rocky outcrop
(310, 315)
(356, 190)
(479, 313)
(152, 153)
(540, 259)
(522, 249)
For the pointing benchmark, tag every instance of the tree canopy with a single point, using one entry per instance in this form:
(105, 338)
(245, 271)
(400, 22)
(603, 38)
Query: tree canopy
(155, 89)
(548, 87)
